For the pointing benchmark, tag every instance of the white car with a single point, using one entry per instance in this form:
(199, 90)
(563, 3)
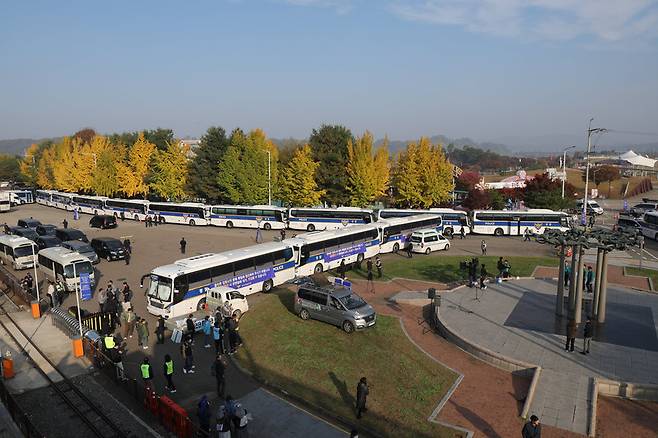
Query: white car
(218, 296)
(426, 241)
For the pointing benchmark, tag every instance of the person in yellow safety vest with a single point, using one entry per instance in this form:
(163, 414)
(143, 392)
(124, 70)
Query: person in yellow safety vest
(108, 342)
(147, 373)
(168, 369)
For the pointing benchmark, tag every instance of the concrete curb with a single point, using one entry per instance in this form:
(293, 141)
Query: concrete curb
(531, 393)
(594, 400)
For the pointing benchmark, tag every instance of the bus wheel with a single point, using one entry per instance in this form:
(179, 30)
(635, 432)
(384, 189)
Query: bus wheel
(267, 227)
(310, 227)
(318, 268)
(303, 314)
(267, 286)
(396, 248)
(136, 217)
(192, 222)
(448, 232)
(348, 327)
(498, 232)
(229, 224)
(201, 305)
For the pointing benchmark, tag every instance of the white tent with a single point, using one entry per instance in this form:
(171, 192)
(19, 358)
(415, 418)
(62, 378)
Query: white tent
(637, 160)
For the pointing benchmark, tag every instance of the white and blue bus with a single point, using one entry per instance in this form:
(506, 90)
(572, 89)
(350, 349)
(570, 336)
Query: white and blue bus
(20, 197)
(267, 217)
(44, 197)
(453, 220)
(515, 223)
(181, 288)
(393, 232)
(311, 219)
(62, 200)
(130, 208)
(323, 250)
(88, 204)
(188, 213)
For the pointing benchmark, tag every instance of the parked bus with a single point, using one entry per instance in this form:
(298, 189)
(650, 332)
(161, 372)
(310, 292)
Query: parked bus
(17, 251)
(62, 264)
(5, 201)
(323, 250)
(311, 219)
(61, 200)
(453, 220)
(88, 204)
(189, 213)
(182, 287)
(393, 232)
(20, 197)
(649, 225)
(131, 208)
(515, 223)
(264, 216)
(44, 197)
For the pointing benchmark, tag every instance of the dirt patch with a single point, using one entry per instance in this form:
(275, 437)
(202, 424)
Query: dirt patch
(617, 417)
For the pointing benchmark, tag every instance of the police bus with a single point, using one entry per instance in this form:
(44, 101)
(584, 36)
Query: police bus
(453, 220)
(130, 208)
(515, 223)
(267, 217)
(188, 213)
(323, 250)
(182, 287)
(88, 204)
(311, 219)
(393, 232)
(44, 197)
(61, 200)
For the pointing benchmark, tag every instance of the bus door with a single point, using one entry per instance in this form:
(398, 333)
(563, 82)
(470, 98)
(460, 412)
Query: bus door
(517, 220)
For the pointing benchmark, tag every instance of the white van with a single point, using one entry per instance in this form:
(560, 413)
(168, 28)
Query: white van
(428, 240)
(57, 264)
(593, 207)
(17, 251)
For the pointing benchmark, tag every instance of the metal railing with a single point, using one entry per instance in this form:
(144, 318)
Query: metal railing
(66, 322)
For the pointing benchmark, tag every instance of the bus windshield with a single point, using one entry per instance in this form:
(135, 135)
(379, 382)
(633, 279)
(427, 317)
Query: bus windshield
(160, 288)
(23, 251)
(80, 268)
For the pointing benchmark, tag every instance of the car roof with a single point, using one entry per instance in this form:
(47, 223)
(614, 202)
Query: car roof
(48, 238)
(336, 291)
(69, 230)
(104, 215)
(106, 239)
(47, 225)
(426, 231)
(75, 243)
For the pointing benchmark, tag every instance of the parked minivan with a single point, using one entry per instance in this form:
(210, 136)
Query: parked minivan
(82, 248)
(108, 248)
(61, 264)
(28, 223)
(335, 305)
(629, 224)
(17, 251)
(426, 241)
(103, 221)
(65, 234)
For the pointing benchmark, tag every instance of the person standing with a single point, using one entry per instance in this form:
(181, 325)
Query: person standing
(409, 246)
(102, 298)
(483, 276)
(378, 265)
(362, 391)
(223, 427)
(186, 352)
(532, 429)
(191, 329)
(462, 232)
(207, 331)
(567, 274)
(116, 356)
(50, 291)
(217, 335)
(589, 280)
(65, 223)
(147, 373)
(369, 265)
(168, 369)
(592, 219)
(217, 369)
(572, 329)
(587, 335)
(341, 269)
(203, 412)
(183, 244)
(283, 234)
(146, 221)
(231, 325)
(483, 247)
(131, 319)
(142, 333)
(160, 330)
(259, 234)
(126, 257)
(526, 235)
(124, 324)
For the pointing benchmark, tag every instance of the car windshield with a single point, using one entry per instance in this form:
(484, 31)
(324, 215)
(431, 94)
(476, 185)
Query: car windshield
(75, 234)
(80, 268)
(114, 244)
(160, 288)
(23, 251)
(82, 248)
(416, 239)
(352, 302)
(30, 234)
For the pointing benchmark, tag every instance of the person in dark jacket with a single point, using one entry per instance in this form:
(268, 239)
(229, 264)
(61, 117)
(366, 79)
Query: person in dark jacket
(572, 329)
(183, 245)
(588, 332)
(217, 370)
(168, 369)
(362, 391)
(483, 276)
(160, 330)
(203, 412)
(189, 324)
(532, 429)
(589, 279)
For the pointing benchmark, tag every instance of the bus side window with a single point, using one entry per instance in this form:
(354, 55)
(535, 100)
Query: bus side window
(181, 285)
(59, 270)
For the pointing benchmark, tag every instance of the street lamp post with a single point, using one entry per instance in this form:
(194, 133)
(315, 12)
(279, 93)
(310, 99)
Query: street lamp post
(564, 166)
(590, 131)
(269, 177)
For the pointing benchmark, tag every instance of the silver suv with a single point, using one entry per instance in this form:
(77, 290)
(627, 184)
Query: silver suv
(336, 305)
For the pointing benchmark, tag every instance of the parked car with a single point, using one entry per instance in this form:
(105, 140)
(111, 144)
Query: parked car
(335, 305)
(108, 248)
(65, 234)
(28, 223)
(103, 221)
(629, 224)
(219, 295)
(426, 241)
(46, 230)
(30, 233)
(593, 207)
(643, 207)
(47, 242)
(82, 248)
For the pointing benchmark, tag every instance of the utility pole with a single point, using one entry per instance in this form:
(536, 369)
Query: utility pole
(564, 166)
(590, 131)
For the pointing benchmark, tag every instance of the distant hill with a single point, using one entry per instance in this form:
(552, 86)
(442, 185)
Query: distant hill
(17, 146)
(396, 145)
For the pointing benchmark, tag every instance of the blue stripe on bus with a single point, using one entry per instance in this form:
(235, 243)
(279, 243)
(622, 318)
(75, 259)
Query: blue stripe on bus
(173, 213)
(249, 218)
(315, 258)
(330, 220)
(511, 223)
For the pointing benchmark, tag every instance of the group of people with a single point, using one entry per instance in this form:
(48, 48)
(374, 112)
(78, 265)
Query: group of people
(572, 332)
(152, 220)
(231, 419)
(473, 279)
(504, 268)
(587, 277)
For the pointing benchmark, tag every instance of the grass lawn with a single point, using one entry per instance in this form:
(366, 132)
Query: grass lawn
(651, 273)
(322, 365)
(445, 269)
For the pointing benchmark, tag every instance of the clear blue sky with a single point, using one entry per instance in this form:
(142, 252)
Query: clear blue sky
(488, 69)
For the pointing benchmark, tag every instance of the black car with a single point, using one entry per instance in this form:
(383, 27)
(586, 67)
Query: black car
(44, 242)
(30, 233)
(65, 234)
(11, 230)
(46, 230)
(28, 223)
(108, 248)
(103, 221)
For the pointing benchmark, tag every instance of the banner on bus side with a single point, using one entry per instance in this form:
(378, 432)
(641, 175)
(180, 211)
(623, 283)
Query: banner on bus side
(250, 278)
(344, 252)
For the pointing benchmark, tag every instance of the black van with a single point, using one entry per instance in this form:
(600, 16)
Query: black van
(103, 221)
(108, 248)
(65, 234)
(28, 223)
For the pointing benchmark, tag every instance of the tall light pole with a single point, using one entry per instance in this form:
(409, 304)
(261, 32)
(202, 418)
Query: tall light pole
(590, 131)
(269, 177)
(564, 166)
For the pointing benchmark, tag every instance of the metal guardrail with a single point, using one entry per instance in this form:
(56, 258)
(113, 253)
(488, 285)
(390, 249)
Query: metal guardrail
(67, 323)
